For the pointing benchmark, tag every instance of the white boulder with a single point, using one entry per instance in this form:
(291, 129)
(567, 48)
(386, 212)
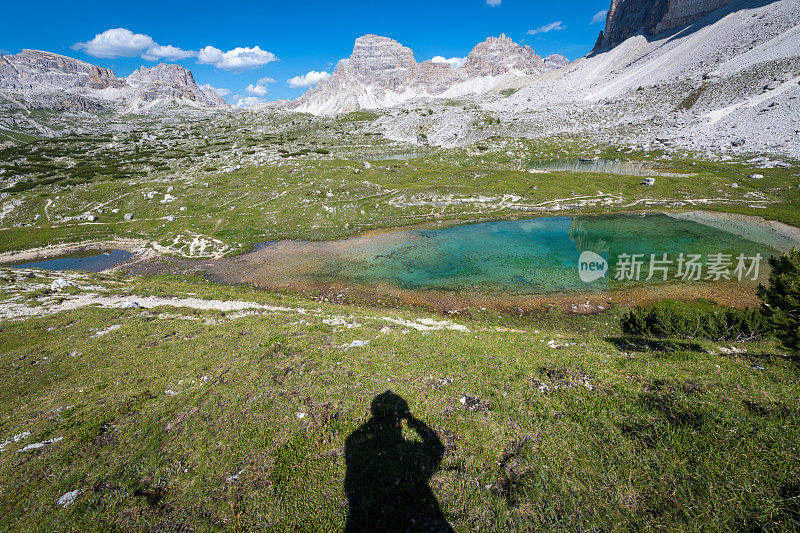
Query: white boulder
(59, 284)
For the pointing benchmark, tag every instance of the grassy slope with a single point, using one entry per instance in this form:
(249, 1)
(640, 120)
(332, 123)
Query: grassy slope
(670, 437)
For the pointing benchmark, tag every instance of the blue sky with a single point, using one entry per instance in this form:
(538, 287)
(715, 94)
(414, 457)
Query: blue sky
(217, 41)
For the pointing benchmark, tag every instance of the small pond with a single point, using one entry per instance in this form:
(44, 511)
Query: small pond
(605, 165)
(94, 261)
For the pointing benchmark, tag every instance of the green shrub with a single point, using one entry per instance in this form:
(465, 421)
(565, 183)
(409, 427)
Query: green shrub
(701, 319)
(781, 298)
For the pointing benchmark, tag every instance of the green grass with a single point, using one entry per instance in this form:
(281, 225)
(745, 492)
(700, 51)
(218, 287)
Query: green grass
(671, 435)
(16, 137)
(311, 189)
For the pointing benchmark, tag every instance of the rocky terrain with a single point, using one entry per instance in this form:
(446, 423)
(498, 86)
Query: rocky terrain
(381, 73)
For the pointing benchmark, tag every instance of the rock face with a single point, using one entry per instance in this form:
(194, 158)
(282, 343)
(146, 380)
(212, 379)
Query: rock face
(556, 61)
(46, 77)
(381, 72)
(498, 55)
(651, 17)
(69, 103)
(34, 69)
(163, 81)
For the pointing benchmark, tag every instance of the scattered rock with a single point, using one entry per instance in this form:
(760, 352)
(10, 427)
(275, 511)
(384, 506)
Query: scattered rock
(59, 284)
(105, 331)
(474, 404)
(37, 445)
(68, 498)
(16, 438)
(355, 344)
(561, 378)
(756, 176)
(649, 182)
(128, 216)
(731, 351)
(231, 479)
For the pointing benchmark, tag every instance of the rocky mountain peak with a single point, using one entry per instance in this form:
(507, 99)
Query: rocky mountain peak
(164, 81)
(382, 61)
(497, 55)
(162, 72)
(382, 72)
(556, 61)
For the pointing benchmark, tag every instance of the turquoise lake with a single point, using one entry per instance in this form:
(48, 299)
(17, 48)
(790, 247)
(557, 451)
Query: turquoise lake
(528, 257)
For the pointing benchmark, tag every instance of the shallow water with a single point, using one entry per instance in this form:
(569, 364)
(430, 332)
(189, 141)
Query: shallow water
(387, 157)
(86, 262)
(610, 166)
(522, 258)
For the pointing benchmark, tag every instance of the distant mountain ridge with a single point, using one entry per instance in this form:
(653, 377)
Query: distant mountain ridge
(61, 82)
(382, 72)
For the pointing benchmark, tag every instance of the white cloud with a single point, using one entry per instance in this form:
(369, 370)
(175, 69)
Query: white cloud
(154, 53)
(116, 42)
(600, 16)
(219, 90)
(260, 87)
(256, 90)
(247, 101)
(454, 62)
(494, 3)
(240, 58)
(121, 42)
(553, 26)
(307, 80)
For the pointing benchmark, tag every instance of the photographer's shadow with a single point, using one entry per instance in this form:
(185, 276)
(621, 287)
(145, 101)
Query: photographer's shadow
(387, 476)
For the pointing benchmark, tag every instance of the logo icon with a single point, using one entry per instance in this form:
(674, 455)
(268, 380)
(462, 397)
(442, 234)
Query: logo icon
(591, 266)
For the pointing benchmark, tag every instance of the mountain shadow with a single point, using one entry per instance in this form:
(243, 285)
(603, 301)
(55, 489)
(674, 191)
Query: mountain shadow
(387, 476)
